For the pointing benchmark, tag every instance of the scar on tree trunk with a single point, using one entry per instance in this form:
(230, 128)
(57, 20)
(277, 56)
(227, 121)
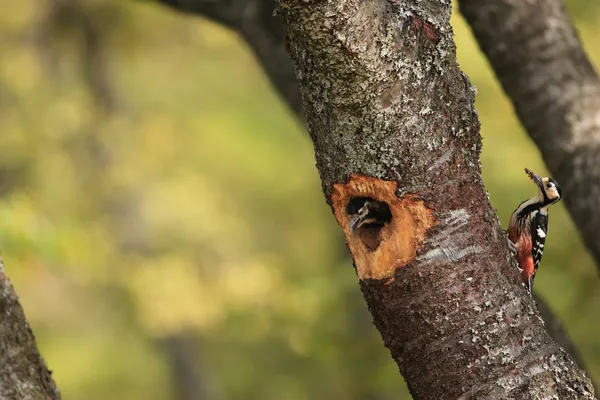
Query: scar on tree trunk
(379, 251)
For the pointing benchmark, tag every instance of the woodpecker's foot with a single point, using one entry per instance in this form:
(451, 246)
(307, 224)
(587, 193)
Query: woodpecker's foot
(511, 246)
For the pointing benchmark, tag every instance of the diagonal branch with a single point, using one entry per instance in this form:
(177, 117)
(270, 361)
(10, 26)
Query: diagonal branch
(540, 62)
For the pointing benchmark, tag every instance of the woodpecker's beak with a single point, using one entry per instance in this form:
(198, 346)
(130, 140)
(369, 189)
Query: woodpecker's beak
(536, 179)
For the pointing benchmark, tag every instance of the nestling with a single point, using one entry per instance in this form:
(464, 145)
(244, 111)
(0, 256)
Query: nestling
(368, 212)
(528, 226)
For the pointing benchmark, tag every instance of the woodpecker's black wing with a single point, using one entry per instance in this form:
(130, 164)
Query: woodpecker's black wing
(539, 229)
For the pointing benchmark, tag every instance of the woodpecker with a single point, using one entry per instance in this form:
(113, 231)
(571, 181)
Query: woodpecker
(528, 226)
(365, 212)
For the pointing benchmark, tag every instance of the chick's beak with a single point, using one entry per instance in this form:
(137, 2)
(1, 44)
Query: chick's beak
(355, 222)
(538, 181)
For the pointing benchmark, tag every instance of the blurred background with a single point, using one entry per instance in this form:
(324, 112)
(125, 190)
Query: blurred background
(163, 223)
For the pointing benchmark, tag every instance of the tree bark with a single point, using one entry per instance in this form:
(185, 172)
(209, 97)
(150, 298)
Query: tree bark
(23, 372)
(540, 62)
(187, 373)
(271, 43)
(392, 118)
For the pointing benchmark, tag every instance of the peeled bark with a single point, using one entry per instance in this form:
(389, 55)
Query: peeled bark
(540, 62)
(23, 372)
(391, 117)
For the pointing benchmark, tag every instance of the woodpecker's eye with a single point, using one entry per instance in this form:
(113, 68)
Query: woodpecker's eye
(356, 205)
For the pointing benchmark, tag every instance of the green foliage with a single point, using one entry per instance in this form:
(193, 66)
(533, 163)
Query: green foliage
(152, 183)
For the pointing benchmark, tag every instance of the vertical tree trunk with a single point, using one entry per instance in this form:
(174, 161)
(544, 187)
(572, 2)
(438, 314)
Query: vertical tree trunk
(185, 367)
(392, 118)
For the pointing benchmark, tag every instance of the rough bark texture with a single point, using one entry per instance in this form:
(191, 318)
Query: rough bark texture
(539, 60)
(23, 372)
(384, 98)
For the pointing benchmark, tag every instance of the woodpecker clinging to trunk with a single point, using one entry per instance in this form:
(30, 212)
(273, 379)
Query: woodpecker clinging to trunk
(529, 225)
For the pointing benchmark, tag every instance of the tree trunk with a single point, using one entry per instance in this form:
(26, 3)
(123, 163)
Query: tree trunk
(538, 58)
(23, 372)
(391, 117)
(185, 367)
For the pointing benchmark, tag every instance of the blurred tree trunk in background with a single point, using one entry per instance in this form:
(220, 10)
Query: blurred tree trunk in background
(254, 21)
(540, 62)
(186, 368)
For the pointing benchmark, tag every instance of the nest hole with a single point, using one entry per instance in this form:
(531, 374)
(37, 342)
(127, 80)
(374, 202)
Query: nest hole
(368, 218)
